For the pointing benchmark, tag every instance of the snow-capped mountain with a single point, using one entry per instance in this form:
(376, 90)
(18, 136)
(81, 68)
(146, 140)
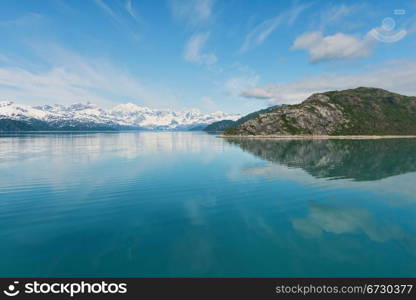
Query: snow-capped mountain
(91, 116)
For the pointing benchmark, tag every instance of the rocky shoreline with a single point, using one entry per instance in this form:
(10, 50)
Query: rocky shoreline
(350, 137)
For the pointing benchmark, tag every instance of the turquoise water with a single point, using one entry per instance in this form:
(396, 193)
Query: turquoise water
(190, 204)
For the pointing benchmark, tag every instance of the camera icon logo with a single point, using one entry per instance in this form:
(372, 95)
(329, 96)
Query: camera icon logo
(386, 32)
(11, 289)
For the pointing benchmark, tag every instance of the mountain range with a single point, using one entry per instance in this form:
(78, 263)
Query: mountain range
(360, 111)
(87, 116)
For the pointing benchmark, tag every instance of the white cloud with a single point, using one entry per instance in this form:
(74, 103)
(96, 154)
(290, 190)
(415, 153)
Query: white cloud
(262, 31)
(339, 46)
(27, 19)
(129, 8)
(107, 10)
(336, 15)
(208, 104)
(4, 58)
(397, 76)
(193, 12)
(203, 8)
(120, 20)
(71, 78)
(343, 221)
(193, 50)
(236, 85)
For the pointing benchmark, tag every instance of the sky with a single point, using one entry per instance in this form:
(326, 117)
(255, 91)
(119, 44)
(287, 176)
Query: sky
(235, 56)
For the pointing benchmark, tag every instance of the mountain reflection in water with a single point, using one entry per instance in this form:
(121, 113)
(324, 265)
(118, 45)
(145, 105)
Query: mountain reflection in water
(360, 160)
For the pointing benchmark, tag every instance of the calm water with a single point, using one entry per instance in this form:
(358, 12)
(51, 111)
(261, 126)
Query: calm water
(191, 204)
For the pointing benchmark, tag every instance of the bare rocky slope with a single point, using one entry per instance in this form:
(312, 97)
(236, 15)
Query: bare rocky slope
(360, 111)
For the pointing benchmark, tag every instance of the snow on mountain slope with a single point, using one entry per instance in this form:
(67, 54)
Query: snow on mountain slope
(20, 112)
(125, 115)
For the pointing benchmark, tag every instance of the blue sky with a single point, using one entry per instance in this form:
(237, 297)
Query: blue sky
(236, 56)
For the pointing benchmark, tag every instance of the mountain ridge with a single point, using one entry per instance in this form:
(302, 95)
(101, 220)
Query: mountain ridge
(88, 116)
(226, 124)
(359, 111)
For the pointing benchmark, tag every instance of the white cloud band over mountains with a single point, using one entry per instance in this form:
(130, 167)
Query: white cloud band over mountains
(69, 77)
(397, 76)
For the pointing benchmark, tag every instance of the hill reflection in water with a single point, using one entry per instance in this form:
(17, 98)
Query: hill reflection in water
(360, 160)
